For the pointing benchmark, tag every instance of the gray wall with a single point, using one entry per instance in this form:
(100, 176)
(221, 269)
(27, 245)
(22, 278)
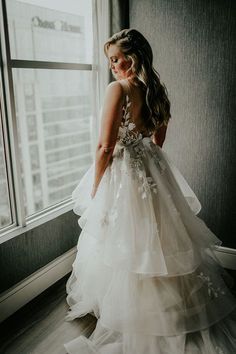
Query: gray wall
(194, 53)
(24, 254)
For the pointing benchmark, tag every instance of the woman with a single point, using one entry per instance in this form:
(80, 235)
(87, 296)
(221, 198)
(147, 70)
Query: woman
(145, 266)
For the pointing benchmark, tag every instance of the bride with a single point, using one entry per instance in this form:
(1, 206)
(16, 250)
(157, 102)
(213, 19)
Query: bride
(145, 266)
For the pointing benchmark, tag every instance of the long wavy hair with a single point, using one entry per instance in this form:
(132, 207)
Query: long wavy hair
(136, 48)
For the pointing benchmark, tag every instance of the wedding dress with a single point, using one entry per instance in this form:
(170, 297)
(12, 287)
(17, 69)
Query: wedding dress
(146, 267)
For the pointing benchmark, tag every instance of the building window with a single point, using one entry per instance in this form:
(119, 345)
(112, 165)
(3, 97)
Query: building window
(5, 206)
(50, 60)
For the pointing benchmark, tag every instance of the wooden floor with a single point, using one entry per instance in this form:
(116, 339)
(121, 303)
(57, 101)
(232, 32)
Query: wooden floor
(40, 328)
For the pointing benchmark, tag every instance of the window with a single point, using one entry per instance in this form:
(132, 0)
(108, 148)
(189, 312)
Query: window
(50, 85)
(5, 207)
(45, 30)
(53, 115)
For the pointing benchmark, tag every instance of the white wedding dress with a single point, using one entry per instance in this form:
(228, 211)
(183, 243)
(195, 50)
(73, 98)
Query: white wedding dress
(145, 266)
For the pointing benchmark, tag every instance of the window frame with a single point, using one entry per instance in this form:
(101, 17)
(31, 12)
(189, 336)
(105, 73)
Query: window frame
(20, 222)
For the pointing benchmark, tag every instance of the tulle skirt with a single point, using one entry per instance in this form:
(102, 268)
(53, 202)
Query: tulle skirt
(146, 267)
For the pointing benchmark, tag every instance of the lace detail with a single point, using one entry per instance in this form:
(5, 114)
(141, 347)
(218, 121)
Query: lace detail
(212, 292)
(147, 186)
(126, 134)
(105, 219)
(109, 216)
(156, 158)
(131, 140)
(219, 350)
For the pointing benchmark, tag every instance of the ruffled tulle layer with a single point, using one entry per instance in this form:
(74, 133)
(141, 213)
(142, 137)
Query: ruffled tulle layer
(145, 265)
(155, 231)
(167, 305)
(218, 339)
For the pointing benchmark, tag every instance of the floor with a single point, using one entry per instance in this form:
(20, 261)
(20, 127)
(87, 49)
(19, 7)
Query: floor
(39, 327)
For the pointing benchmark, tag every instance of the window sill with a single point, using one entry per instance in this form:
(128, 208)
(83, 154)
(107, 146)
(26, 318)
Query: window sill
(36, 220)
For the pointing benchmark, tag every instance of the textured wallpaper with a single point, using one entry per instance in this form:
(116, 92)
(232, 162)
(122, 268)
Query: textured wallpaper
(194, 53)
(26, 253)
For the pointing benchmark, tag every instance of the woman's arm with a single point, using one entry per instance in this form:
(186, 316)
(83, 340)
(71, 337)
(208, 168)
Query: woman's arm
(110, 122)
(159, 135)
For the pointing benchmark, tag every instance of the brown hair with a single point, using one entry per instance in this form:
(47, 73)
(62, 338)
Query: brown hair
(136, 48)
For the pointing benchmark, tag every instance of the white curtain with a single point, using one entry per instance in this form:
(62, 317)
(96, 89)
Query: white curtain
(100, 68)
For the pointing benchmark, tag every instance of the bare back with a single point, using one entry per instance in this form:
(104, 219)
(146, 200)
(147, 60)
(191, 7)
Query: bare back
(137, 100)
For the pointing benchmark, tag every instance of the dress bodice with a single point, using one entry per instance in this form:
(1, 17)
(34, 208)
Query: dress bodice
(128, 132)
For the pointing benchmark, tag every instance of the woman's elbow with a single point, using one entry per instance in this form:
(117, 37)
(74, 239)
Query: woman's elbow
(105, 148)
(159, 136)
(104, 152)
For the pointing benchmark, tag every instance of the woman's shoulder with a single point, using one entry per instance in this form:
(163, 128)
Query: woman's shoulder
(116, 87)
(115, 93)
(122, 88)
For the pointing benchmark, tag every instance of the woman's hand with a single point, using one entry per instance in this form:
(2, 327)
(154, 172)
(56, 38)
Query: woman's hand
(94, 190)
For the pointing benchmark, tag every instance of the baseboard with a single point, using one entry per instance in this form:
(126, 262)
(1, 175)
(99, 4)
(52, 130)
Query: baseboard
(23, 292)
(226, 256)
(20, 294)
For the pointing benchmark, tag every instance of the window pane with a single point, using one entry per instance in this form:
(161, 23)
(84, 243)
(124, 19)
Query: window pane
(5, 211)
(53, 109)
(50, 30)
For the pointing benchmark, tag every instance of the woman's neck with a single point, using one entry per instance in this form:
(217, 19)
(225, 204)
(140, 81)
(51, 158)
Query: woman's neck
(133, 81)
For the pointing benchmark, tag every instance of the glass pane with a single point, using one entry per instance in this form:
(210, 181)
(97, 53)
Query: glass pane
(5, 211)
(50, 30)
(53, 109)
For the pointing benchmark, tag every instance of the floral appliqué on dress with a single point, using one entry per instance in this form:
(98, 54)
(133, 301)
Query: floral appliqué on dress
(109, 216)
(212, 291)
(132, 140)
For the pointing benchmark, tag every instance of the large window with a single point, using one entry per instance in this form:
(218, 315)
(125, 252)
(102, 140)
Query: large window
(5, 207)
(50, 30)
(49, 62)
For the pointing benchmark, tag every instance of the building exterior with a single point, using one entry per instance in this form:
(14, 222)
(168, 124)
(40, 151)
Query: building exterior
(53, 107)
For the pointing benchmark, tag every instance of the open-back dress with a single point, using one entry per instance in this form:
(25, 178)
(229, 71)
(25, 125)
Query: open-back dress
(145, 266)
